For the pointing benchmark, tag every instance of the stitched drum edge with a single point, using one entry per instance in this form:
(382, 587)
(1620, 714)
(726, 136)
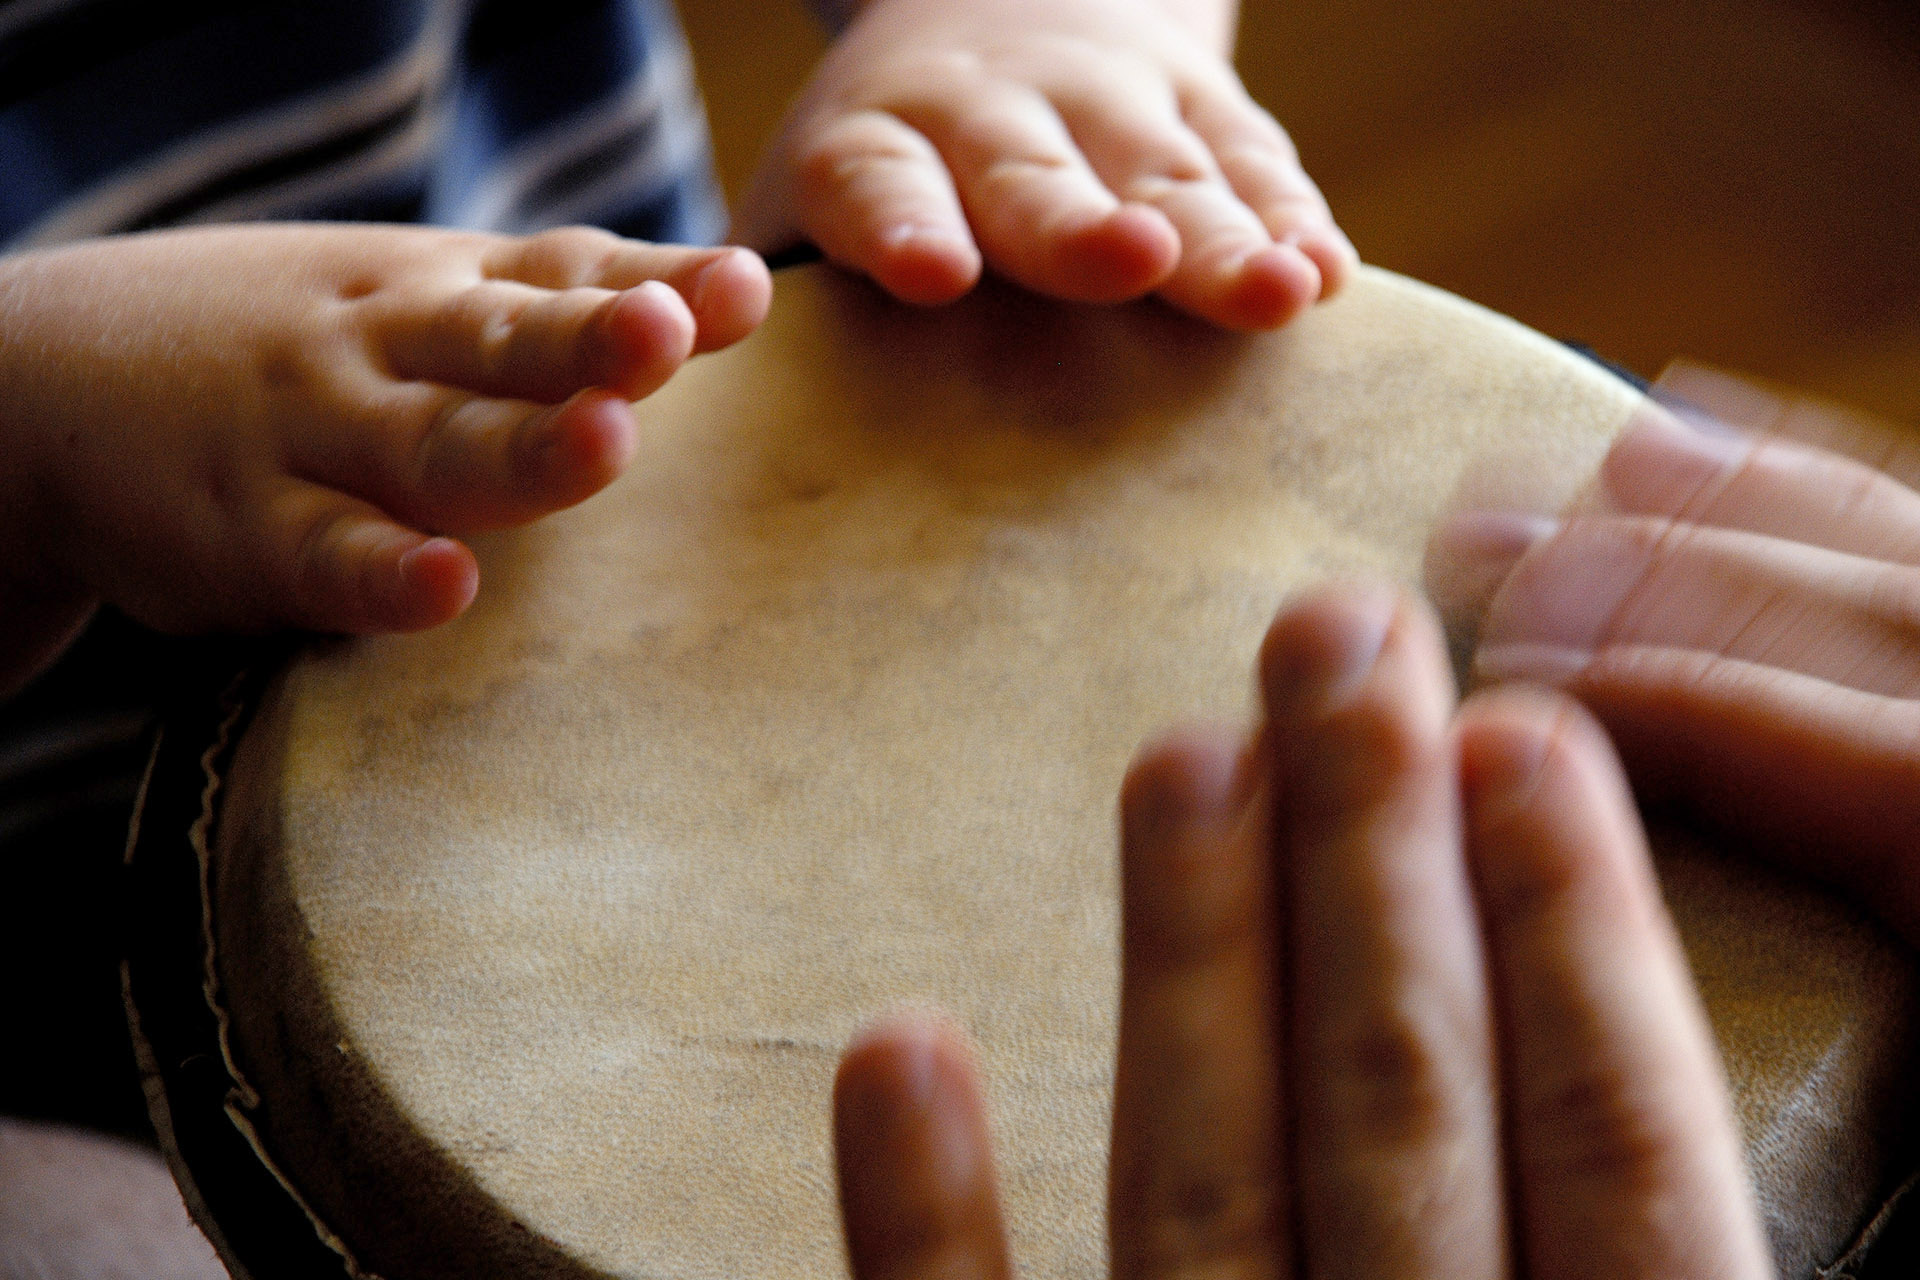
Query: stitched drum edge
(1859, 1254)
(196, 1094)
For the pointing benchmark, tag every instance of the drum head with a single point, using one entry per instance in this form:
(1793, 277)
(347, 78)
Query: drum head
(533, 940)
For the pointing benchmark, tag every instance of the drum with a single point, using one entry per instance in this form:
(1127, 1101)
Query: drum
(526, 947)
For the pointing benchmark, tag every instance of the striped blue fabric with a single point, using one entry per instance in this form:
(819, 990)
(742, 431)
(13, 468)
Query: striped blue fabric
(509, 115)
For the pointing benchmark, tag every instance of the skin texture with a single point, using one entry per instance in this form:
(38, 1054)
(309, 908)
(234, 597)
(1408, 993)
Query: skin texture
(1094, 150)
(1741, 609)
(1399, 999)
(252, 427)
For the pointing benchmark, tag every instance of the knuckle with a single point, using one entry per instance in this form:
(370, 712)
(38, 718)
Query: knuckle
(431, 429)
(1393, 1079)
(316, 538)
(567, 256)
(1370, 746)
(1601, 1125)
(854, 148)
(488, 316)
(1205, 1227)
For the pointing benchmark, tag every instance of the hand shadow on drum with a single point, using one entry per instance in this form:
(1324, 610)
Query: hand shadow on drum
(1051, 381)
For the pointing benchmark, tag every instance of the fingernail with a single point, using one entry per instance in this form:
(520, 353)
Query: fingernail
(1699, 421)
(926, 234)
(663, 293)
(410, 560)
(1489, 542)
(1323, 657)
(1550, 664)
(702, 280)
(1572, 591)
(1718, 401)
(1471, 555)
(1502, 772)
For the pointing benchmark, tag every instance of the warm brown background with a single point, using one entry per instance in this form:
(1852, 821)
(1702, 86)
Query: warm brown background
(1736, 180)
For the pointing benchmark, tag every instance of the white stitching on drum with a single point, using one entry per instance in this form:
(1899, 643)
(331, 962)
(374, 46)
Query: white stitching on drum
(159, 1109)
(242, 1095)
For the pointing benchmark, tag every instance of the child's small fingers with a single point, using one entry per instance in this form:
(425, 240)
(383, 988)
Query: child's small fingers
(726, 289)
(1620, 1135)
(1230, 270)
(501, 338)
(333, 563)
(1039, 212)
(918, 1195)
(459, 463)
(1260, 163)
(877, 197)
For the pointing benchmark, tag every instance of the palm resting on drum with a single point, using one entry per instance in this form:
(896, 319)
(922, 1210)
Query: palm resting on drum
(291, 425)
(1399, 996)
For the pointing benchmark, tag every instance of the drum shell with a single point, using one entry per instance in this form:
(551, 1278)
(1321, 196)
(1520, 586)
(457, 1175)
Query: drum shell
(1018, 493)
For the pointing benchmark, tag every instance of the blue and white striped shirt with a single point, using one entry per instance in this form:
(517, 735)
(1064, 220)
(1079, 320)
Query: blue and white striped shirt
(507, 115)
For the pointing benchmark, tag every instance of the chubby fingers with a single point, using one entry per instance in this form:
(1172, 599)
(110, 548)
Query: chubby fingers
(918, 1198)
(961, 159)
(1396, 1136)
(1098, 178)
(1257, 243)
(1620, 1135)
(1197, 1185)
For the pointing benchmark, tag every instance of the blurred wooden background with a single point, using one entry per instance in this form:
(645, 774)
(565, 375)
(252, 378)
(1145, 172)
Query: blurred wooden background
(1734, 180)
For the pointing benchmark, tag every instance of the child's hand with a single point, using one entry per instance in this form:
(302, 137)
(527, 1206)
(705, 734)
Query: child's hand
(1743, 613)
(1398, 998)
(1095, 150)
(262, 426)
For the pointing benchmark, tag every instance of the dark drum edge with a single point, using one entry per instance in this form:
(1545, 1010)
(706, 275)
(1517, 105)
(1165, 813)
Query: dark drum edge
(196, 1095)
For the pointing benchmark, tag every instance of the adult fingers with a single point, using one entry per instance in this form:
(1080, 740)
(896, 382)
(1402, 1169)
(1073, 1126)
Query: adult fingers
(1395, 1158)
(1698, 471)
(1758, 409)
(917, 1192)
(1196, 1183)
(1620, 1134)
(1822, 777)
(1603, 581)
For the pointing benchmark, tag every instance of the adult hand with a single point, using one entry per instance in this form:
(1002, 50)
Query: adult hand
(1738, 600)
(1095, 150)
(1399, 999)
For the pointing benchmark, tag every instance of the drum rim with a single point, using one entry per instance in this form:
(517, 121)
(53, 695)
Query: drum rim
(256, 1221)
(197, 1098)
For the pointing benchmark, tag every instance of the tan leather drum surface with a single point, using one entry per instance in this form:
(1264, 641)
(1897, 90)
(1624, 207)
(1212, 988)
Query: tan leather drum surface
(541, 933)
